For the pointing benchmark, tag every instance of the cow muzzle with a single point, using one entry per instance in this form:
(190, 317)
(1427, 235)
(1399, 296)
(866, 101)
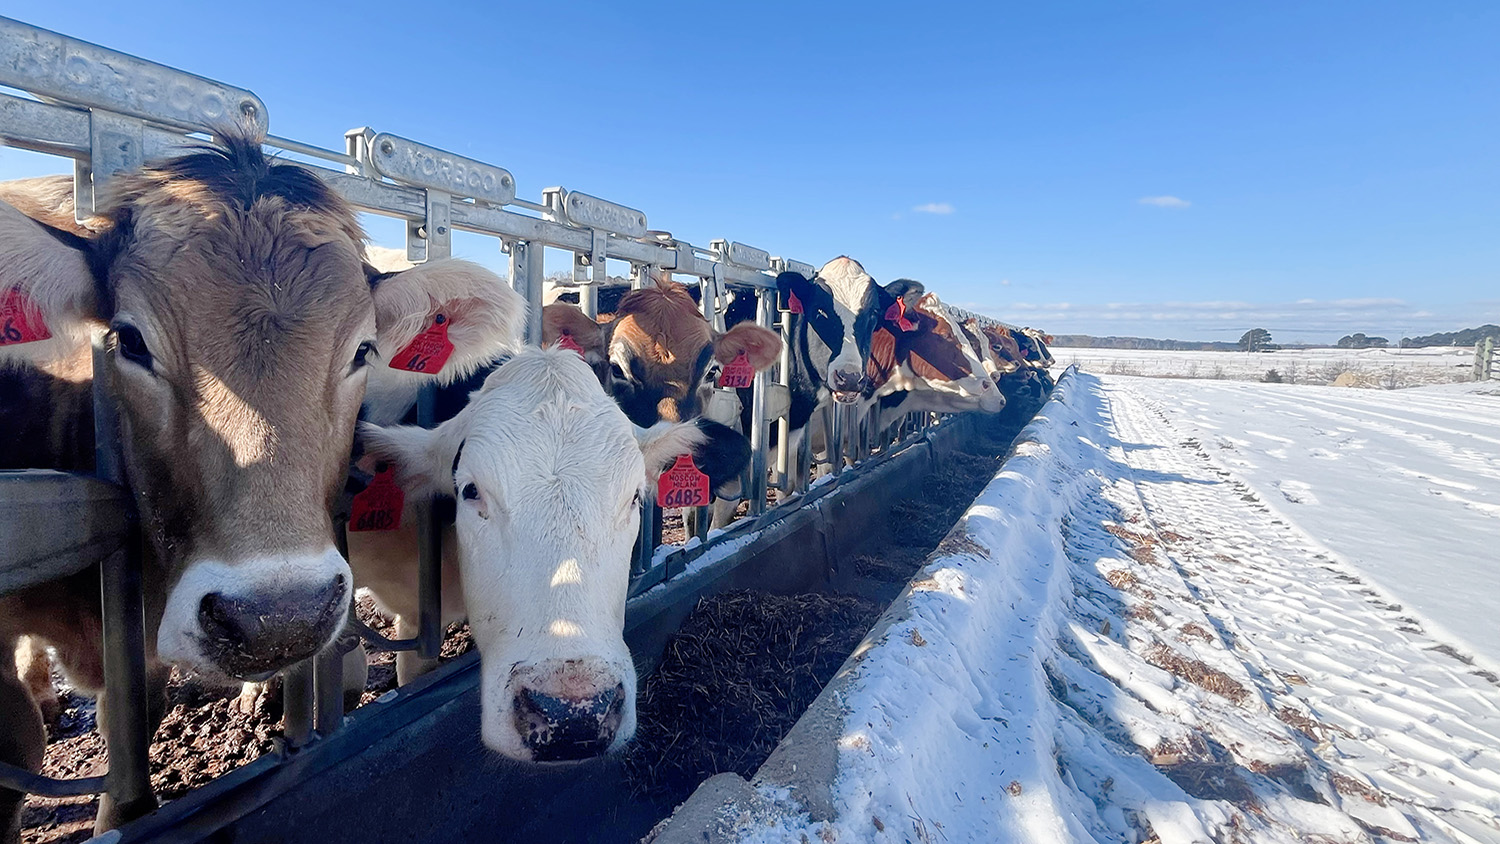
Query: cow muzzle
(846, 386)
(251, 619)
(568, 709)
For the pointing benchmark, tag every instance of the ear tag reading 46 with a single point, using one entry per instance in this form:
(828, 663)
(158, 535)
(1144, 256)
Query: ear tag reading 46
(682, 485)
(379, 505)
(20, 319)
(567, 342)
(738, 372)
(428, 351)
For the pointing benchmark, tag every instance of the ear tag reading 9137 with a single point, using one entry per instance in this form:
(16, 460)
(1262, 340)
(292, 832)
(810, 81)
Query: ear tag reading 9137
(20, 319)
(738, 372)
(379, 505)
(682, 485)
(567, 342)
(428, 351)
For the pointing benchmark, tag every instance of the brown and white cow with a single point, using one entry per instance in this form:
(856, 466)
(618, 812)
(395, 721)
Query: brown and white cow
(921, 360)
(239, 322)
(664, 362)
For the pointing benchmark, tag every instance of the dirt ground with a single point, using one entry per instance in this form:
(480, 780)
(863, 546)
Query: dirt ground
(203, 736)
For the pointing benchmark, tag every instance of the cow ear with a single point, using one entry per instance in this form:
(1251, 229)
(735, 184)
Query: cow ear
(760, 345)
(718, 451)
(417, 455)
(48, 299)
(791, 284)
(482, 316)
(905, 288)
(561, 320)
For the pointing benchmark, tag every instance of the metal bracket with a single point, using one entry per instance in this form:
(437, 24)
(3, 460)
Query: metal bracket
(419, 165)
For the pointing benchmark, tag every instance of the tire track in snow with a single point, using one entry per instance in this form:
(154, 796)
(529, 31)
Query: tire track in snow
(1406, 724)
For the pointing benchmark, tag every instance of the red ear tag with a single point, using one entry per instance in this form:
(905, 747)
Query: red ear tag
(897, 314)
(379, 505)
(793, 304)
(738, 372)
(20, 319)
(567, 342)
(682, 485)
(428, 351)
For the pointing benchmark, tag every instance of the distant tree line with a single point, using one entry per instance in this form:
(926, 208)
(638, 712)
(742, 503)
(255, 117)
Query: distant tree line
(1088, 341)
(1360, 341)
(1466, 337)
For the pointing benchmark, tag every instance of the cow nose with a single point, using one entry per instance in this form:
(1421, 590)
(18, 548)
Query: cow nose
(563, 728)
(847, 382)
(251, 635)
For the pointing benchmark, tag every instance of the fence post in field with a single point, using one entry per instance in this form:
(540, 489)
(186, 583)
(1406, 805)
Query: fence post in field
(1484, 359)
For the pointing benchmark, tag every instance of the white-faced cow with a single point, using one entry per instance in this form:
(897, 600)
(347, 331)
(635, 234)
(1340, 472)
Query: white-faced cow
(548, 474)
(239, 322)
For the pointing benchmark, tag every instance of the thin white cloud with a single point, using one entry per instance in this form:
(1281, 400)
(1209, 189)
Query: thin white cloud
(934, 208)
(1164, 201)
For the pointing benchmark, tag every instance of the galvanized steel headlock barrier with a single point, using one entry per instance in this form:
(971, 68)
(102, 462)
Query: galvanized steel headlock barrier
(110, 112)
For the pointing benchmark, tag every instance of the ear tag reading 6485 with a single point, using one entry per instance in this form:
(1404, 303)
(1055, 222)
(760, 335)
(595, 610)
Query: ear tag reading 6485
(682, 485)
(428, 351)
(20, 319)
(738, 372)
(379, 505)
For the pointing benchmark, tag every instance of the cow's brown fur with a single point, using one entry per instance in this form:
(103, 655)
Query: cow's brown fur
(246, 281)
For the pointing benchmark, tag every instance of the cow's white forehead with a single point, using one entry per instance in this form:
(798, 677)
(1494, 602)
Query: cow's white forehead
(848, 282)
(543, 417)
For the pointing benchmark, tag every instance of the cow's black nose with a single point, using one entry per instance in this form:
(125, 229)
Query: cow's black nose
(251, 635)
(559, 729)
(847, 382)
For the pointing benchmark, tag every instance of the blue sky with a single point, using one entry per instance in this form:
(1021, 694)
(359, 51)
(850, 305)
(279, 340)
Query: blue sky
(1163, 169)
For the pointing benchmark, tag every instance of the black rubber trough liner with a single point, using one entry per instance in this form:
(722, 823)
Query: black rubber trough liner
(412, 768)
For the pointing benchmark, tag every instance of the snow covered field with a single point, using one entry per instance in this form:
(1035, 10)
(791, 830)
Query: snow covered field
(1127, 638)
(1385, 368)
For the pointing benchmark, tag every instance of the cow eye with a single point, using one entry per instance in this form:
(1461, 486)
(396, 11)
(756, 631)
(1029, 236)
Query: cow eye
(360, 356)
(132, 345)
(470, 492)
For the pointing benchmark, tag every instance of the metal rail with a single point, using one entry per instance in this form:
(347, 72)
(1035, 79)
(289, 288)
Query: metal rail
(110, 112)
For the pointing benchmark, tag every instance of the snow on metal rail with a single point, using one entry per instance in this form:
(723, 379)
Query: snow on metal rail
(110, 112)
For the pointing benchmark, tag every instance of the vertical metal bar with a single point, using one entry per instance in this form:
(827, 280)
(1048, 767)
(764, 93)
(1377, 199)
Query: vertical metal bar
(784, 423)
(429, 551)
(803, 473)
(764, 307)
(328, 675)
(836, 437)
(297, 702)
(526, 273)
(128, 782)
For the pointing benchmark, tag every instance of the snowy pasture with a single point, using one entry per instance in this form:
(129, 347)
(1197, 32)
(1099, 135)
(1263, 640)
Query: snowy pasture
(1126, 640)
(1383, 368)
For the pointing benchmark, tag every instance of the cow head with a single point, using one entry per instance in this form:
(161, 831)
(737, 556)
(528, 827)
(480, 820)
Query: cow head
(548, 476)
(841, 309)
(240, 324)
(665, 358)
(922, 350)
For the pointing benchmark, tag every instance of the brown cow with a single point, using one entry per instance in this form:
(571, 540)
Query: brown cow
(239, 322)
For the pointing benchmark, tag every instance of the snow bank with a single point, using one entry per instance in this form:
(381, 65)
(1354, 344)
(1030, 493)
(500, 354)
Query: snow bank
(1106, 650)
(1379, 368)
